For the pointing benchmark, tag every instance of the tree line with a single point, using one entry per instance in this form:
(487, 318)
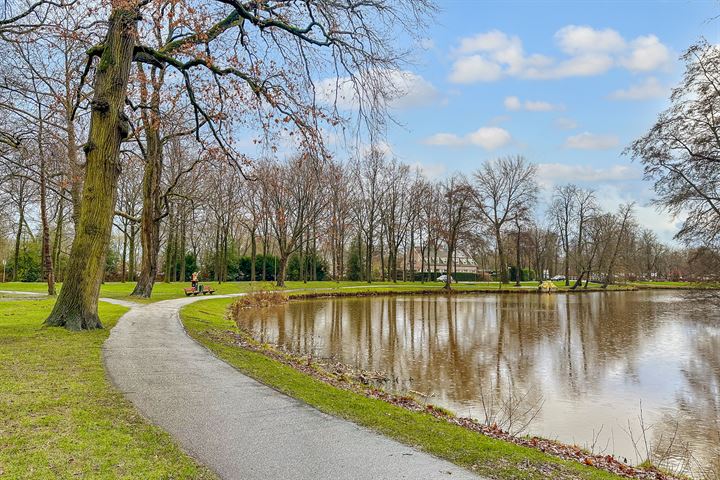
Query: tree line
(120, 155)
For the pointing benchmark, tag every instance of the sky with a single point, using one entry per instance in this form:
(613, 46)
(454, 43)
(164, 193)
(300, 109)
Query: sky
(567, 84)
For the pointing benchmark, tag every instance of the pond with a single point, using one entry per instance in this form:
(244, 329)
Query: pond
(618, 372)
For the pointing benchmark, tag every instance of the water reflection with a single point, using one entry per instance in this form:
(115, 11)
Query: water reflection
(593, 358)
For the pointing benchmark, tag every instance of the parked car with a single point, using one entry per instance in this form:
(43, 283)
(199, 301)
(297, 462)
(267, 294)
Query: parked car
(443, 278)
(558, 278)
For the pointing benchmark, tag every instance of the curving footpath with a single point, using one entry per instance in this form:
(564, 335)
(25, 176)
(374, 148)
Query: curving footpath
(237, 426)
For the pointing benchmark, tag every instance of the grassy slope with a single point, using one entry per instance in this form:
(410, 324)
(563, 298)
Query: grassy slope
(60, 417)
(490, 457)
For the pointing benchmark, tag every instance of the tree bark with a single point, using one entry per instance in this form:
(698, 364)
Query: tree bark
(253, 254)
(501, 257)
(280, 275)
(47, 263)
(169, 248)
(152, 209)
(76, 307)
(183, 245)
(123, 276)
(448, 267)
(131, 256)
(18, 237)
(57, 241)
(518, 270)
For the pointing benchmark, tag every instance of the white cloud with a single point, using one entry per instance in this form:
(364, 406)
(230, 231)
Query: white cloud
(647, 54)
(489, 138)
(565, 123)
(494, 40)
(591, 141)
(585, 65)
(410, 90)
(490, 56)
(513, 103)
(444, 139)
(563, 173)
(646, 89)
(575, 40)
(475, 68)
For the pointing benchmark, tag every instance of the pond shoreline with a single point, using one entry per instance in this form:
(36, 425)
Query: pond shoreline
(342, 377)
(379, 292)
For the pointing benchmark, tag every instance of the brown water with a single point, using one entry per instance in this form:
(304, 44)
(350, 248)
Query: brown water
(578, 368)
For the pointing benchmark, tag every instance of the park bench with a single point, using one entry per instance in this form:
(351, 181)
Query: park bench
(204, 289)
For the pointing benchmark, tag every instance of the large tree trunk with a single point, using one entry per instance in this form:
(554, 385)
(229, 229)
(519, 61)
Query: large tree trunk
(518, 270)
(57, 241)
(501, 257)
(169, 248)
(280, 275)
(448, 267)
(369, 252)
(183, 245)
(253, 254)
(18, 237)
(131, 259)
(123, 276)
(76, 307)
(264, 252)
(47, 261)
(152, 209)
(75, 169)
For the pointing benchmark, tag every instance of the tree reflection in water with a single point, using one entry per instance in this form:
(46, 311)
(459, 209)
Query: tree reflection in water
(591, 357)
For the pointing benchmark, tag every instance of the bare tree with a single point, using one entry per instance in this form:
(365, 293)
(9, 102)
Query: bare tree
(367, 175)
(563, 211)
(296, 196)
(455, 216)
(504, 189)
(304, 38)
(681, 152)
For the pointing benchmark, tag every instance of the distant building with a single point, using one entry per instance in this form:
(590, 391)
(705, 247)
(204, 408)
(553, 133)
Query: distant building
(463, 263)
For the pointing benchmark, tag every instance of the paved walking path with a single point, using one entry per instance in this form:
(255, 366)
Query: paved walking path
(235, 425)
(14, 292)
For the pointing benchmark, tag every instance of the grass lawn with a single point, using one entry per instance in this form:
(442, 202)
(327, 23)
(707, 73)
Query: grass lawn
(205, 321)
(679, 285)
(59, 415)
(166, 291)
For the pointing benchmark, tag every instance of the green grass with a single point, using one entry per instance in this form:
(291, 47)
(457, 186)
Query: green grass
(167, 291)
(59, 415)
(205, 321)
(678, 285)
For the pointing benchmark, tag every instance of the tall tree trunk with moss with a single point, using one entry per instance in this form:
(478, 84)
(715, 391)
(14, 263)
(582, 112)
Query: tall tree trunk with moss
(47, 261)
(76, 307)
(151, 216)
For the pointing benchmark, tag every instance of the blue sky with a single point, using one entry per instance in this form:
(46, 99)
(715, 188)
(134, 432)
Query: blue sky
(566, 84)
